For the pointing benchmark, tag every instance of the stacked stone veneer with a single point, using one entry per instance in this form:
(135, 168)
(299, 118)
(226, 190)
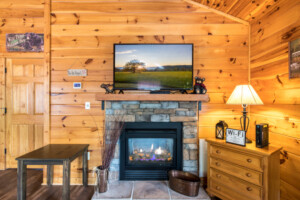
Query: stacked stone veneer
(162, 111)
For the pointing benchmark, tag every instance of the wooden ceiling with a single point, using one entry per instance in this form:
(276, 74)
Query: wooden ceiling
(247, 10)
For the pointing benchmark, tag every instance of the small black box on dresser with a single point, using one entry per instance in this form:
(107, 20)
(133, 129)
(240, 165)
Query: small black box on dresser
(262, 135)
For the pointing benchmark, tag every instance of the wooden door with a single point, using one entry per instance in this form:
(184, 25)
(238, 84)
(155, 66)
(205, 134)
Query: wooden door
(25, 107)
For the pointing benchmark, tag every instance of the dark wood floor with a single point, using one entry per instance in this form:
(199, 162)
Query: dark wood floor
(36, 191)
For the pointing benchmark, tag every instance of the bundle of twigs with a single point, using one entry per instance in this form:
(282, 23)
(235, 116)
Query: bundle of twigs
(113, 130)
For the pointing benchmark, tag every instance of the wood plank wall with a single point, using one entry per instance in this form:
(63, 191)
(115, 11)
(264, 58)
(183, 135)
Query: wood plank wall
(83, 34)
(270, 34)
(17, 16)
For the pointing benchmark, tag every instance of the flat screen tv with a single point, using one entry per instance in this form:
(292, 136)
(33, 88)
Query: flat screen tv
(153, 67)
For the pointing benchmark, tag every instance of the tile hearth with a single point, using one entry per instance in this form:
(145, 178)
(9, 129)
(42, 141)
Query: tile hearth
(130, 190)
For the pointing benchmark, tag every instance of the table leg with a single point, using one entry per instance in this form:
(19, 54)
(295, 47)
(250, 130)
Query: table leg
(22, 176)
(66, 180)
(84, 168)
(49, 175)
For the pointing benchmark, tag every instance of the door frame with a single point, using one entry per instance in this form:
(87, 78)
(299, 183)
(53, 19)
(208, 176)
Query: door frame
(3, 114)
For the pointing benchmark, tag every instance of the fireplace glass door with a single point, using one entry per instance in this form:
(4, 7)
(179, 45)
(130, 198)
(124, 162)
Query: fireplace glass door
(150, 151)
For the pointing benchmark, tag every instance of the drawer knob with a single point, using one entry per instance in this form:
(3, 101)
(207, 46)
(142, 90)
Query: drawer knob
(218, 176)
(249, 189)
(218, 151)
(249, 160)
(248, 174)
(218, 164)
(218, 187)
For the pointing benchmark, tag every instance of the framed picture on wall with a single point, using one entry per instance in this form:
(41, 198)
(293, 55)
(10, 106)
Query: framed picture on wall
(24, 42)
(294, 58)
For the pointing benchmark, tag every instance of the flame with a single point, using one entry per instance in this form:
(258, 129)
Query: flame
(158, 151)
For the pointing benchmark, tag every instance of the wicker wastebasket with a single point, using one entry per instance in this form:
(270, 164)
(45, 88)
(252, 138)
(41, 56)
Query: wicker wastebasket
(184, 183)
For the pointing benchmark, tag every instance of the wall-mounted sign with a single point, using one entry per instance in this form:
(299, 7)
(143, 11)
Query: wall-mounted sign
(77, 72)
(77, 85)
(24, 42)
(294, 58)
(236, 137)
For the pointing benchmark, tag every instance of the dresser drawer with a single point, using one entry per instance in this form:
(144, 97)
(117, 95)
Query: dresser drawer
(244, 188)
(226, 191)
(239, 158)
(243, 173)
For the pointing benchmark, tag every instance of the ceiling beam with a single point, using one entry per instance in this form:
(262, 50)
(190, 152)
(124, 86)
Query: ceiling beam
(217, 12)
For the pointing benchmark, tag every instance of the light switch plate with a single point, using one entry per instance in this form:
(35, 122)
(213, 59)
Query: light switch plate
(88, 155)
(87, 105)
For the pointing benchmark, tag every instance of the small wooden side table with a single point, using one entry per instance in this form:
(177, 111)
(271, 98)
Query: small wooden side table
(52, 154)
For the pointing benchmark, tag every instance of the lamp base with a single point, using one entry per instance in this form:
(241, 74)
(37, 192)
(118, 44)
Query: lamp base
(248, 140)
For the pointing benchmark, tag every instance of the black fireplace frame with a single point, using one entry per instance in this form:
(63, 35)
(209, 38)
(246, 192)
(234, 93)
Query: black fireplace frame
(150, 130)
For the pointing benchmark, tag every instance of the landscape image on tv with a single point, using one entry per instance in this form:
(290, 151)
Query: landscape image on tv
(153, 67)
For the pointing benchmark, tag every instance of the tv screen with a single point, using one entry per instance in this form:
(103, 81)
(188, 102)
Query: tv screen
(153, 66)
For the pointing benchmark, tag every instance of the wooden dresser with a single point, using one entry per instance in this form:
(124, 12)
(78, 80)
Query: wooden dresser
(243, 173)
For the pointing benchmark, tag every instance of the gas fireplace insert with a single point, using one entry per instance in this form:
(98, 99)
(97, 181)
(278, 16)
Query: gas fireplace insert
(149, 150)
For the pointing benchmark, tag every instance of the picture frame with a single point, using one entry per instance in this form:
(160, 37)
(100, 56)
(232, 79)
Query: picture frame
(24, 42)
(294, 58)
(234, 136)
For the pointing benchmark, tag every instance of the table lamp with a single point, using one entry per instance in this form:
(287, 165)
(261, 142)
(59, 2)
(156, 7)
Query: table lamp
(244, 95)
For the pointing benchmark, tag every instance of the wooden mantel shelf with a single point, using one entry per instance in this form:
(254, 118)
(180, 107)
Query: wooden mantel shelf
(152, 97)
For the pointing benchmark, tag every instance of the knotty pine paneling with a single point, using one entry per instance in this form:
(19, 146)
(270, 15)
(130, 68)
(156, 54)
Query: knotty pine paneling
(270, 34)
(82, 37)
(19, 16)
(246, 10)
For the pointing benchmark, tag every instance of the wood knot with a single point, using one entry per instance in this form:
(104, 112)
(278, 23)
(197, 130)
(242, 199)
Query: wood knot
(88, 61)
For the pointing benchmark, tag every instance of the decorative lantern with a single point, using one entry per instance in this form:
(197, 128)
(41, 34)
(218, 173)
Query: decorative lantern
(221, 127)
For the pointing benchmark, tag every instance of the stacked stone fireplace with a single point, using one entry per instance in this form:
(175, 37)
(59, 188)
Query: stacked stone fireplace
(159, 111)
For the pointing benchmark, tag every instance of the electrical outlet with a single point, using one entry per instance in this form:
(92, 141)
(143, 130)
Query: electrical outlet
(88, 155)
(87, 105)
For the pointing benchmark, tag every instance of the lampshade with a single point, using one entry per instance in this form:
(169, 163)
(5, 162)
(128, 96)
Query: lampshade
(244, 94)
